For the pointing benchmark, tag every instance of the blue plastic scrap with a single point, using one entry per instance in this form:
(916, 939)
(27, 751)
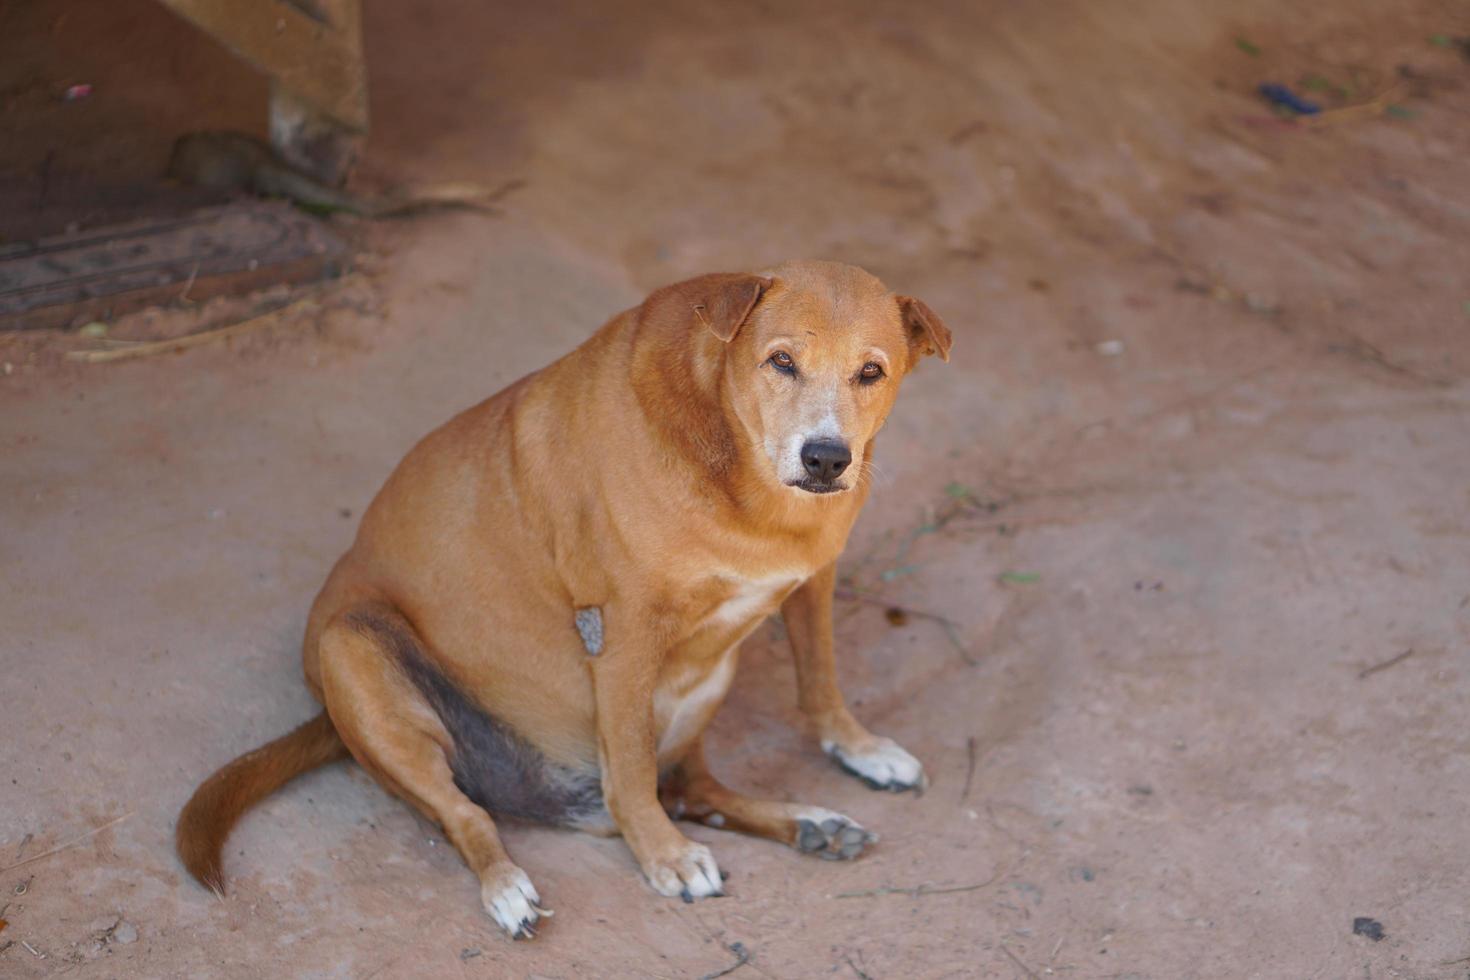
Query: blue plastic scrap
(1283, 96)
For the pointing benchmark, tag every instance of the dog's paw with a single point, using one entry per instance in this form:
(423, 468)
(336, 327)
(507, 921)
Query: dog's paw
(882, 765)
(511, 900)
(689, 874)
(831, 835)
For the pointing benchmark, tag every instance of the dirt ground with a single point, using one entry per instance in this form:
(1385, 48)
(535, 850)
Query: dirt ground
(1200, 467)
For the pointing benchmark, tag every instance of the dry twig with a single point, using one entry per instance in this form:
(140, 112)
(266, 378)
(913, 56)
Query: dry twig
(71, 843)
(742, 957)
(148, 348)
(950, 627)
(1375, 106)
(918, 892)
(1390, 662)
(194, 272)
(1030, 973)
(970, 747)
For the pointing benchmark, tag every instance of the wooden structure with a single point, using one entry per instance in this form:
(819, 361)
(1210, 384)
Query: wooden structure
(100, 273)
(311, 50)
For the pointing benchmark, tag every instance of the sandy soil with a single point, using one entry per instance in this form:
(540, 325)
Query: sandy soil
(1200, 463)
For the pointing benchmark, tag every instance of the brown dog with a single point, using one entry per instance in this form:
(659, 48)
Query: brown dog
(541, 611)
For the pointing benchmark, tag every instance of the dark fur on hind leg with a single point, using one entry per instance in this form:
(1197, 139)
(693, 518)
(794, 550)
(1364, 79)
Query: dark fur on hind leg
(492, 765)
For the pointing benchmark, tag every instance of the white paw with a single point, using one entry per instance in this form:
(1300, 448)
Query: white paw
(830, 835)
(511, 900)
(692, 874)
(882, 765)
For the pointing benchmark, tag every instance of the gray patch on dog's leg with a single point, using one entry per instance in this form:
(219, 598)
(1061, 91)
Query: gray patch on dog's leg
(589, 625)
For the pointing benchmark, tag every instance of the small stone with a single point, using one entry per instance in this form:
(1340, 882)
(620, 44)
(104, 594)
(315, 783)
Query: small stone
(1110, 348)
(1371, 928)
(125, 933)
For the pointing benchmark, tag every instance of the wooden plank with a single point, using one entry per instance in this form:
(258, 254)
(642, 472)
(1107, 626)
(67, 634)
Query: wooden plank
(309, 141)
(230, 249)
(320, 62)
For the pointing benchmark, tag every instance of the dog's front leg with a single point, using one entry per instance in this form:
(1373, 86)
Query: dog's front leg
(879, 762)
(623, 678)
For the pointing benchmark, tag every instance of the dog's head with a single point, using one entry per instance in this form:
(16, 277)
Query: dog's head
(814, 354)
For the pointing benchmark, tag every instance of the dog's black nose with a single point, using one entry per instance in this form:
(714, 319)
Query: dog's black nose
(825, 461)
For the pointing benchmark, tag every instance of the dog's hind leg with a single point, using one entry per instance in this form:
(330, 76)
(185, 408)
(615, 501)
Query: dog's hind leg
(691, 792)
(395, 733)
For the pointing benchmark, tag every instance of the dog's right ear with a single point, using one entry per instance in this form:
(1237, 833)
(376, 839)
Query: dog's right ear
(720, 301)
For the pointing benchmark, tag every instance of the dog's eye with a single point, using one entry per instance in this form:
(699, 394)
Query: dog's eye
(871, 372)
(782, 362)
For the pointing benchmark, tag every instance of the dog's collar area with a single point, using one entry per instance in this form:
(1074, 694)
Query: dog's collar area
(589, 625)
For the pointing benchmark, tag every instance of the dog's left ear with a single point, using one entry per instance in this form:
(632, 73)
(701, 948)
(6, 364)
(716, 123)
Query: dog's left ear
(927, 333)
(720, 301)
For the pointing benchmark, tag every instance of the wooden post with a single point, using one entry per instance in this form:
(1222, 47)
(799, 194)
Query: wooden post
(312, 52)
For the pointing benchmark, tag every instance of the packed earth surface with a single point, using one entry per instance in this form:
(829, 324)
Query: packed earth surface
(1166, 575)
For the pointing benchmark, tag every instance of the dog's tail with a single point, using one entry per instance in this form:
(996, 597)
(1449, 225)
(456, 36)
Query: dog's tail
(221, 799)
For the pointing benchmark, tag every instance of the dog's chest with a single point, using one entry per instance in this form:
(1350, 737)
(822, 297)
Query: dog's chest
(687, 697)
(693, 685)
(749, 598)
